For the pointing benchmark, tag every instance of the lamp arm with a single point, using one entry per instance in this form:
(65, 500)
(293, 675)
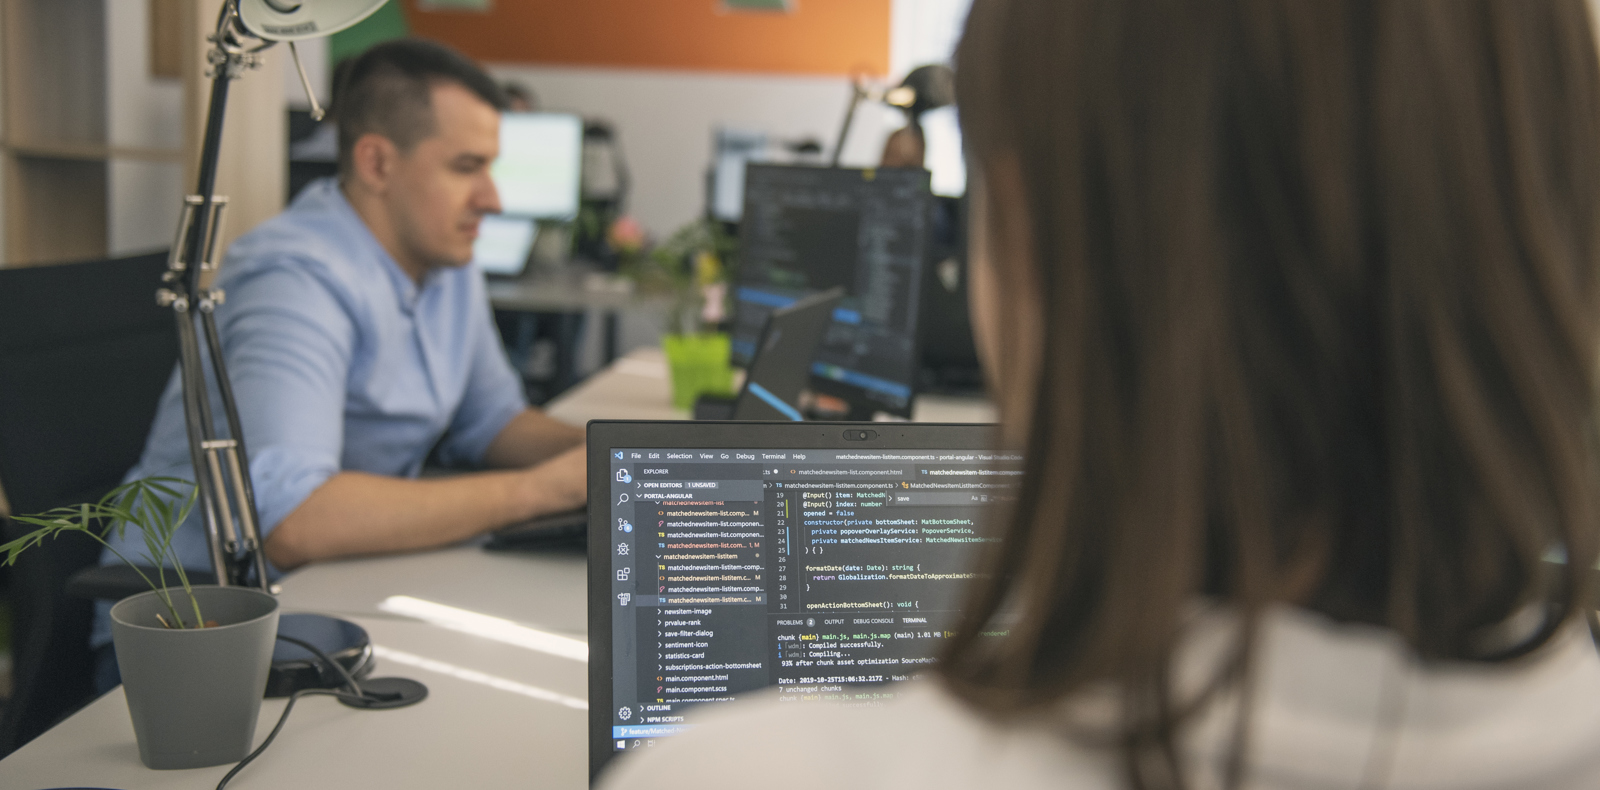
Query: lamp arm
(210, 152)
(221, 466)
(195, 416)
(317, 112)
(239, 463)
(856, 95)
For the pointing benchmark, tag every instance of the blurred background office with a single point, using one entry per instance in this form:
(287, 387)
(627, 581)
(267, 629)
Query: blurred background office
(662, 106)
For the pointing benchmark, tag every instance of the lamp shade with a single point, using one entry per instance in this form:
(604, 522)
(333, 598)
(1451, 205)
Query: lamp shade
(925, 88)
(294, 20)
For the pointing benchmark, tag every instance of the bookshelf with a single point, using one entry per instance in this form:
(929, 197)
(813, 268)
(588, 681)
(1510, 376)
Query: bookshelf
(102, 103)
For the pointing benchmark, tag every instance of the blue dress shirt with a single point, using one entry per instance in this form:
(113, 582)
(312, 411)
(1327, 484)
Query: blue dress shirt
(339, 361)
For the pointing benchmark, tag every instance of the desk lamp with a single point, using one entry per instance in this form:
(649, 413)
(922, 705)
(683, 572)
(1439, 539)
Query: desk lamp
(226, 501)
(924, 88)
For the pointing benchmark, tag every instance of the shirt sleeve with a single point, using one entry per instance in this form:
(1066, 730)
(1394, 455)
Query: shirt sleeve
(492, 398)
(288, 340)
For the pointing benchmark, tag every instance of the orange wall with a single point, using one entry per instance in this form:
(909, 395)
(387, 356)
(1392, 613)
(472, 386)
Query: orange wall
(816, 37)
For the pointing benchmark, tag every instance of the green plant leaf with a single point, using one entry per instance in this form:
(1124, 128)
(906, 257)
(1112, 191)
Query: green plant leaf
(146, 504)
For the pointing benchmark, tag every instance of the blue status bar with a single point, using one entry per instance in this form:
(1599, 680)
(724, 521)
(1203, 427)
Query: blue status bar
(769, 299)
(647, 730)
(862, 380)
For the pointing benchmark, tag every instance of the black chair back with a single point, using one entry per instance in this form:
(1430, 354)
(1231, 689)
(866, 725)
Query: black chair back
(84, 355)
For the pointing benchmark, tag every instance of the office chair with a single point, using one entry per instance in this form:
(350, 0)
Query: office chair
(84, 355)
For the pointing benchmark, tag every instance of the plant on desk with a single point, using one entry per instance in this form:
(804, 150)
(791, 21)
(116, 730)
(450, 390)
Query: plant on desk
(691, 266)
(151, 505)
(193, 681)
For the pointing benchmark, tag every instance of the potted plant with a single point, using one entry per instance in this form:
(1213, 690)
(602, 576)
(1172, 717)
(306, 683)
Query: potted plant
(691, 267)
(194, 658)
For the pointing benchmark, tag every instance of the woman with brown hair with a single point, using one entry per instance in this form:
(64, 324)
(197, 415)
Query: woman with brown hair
(1294, 306)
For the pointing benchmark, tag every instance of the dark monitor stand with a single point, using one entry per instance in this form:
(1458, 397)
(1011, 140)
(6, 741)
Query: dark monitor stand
(781, 366)
(949, 364)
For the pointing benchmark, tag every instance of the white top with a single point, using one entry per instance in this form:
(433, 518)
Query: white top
(1328, 695)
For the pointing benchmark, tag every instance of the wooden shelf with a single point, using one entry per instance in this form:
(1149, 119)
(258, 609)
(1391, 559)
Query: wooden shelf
(55, 71)
(55, 210)
(74, 188)
(89, 152)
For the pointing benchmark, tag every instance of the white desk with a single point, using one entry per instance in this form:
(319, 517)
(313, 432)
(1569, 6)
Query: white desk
(466, 734)
(497, 715)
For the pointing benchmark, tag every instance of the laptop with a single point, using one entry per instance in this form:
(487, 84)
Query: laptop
(781, 367)
(504, 245)
(827, 559)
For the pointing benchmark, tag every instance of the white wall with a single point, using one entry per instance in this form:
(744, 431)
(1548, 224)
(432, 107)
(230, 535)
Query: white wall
(923, 32)
(144, 197)
(664, 120)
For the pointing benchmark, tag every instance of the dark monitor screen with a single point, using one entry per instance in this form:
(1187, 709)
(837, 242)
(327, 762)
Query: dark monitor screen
(949, 355)
(806, 229)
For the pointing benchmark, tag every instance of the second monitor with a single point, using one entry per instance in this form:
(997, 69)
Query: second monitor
(540, 163)
(807, 229)
(537, 175)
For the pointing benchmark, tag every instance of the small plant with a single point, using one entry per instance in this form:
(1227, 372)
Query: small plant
(149, 504)
(693, 266)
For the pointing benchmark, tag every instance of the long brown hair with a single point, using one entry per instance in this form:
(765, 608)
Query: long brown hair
(1319, 296)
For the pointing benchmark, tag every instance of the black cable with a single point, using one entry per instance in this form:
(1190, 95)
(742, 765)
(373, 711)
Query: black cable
(279, 726)
(349, 679)
(360, 698)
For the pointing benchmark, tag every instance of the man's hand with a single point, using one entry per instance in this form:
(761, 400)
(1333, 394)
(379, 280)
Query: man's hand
(561, 483)
(355, 513)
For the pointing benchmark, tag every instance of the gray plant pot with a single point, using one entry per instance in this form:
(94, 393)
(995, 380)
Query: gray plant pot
(194, 694)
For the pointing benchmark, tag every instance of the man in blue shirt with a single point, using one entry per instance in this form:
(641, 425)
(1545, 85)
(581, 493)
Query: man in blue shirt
(358, 340)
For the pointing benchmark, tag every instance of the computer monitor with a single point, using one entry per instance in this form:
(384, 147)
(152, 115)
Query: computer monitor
(949, 355)
(826, 559)
(503, 244)
(806, 229)
(541, 156)
(732, 151)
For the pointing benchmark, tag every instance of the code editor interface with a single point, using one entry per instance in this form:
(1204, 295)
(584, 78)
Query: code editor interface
(826, 573)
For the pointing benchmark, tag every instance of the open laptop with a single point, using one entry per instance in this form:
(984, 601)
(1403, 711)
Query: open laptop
(827, 559)
(504, 245)
(781, 366)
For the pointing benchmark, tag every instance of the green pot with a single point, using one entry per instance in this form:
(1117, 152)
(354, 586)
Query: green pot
(699, 365)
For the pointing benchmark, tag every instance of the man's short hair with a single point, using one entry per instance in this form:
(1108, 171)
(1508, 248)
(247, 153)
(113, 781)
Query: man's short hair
(386, 91)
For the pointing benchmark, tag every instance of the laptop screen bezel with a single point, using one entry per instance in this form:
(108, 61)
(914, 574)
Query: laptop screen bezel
(603, 435)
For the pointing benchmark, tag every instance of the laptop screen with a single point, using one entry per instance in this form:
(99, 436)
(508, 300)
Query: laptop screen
(503, 244)
(827, 571)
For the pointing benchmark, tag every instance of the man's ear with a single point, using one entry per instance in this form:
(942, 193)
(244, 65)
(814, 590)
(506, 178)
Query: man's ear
(373, 160)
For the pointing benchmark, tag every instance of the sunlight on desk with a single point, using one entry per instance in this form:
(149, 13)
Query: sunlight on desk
(496, 716)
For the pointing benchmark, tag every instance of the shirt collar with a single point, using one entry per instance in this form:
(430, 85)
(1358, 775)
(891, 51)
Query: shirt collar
(406, 291)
